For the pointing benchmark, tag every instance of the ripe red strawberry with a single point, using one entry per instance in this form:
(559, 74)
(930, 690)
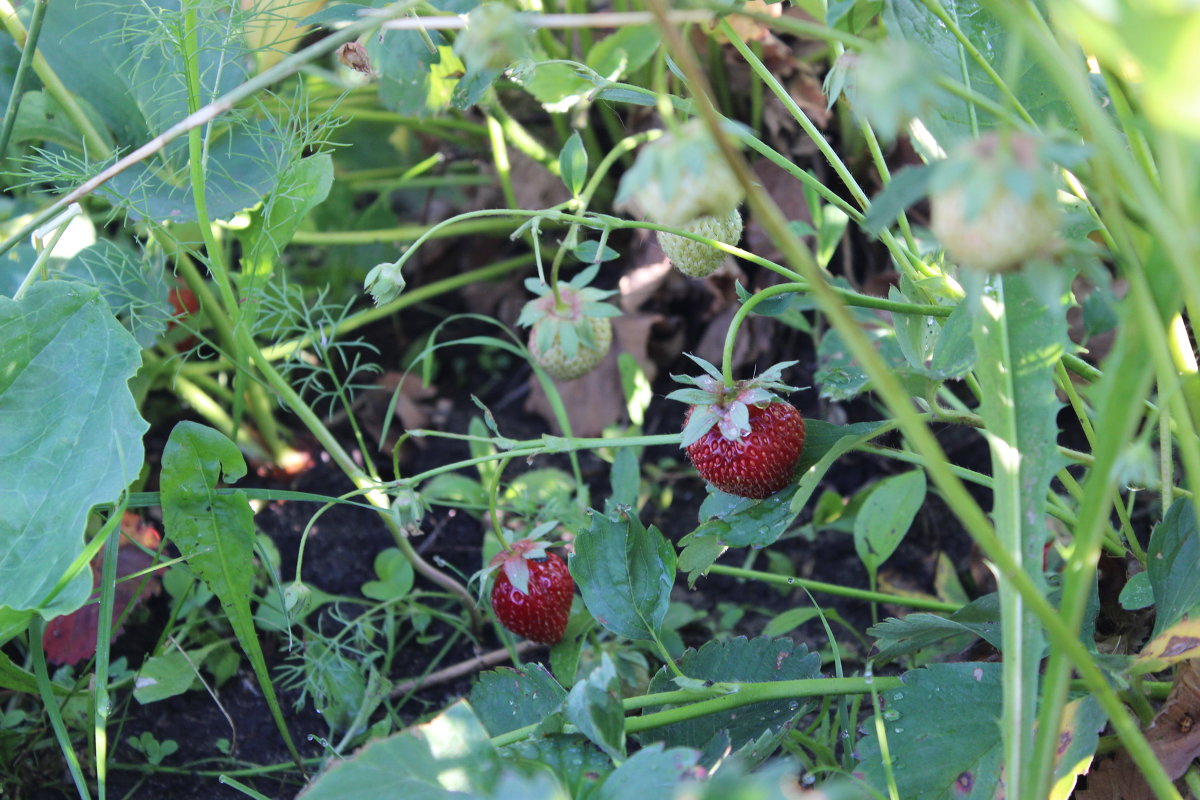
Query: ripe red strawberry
(570, 332)
(743, 439)
(184, 305)
(533, 592)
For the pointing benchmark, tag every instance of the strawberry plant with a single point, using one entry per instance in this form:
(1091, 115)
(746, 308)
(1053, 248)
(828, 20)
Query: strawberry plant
(363, 306)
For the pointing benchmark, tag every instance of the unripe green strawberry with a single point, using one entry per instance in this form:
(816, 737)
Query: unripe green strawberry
(694, 258)
(558, 359)
(569, 333)
(680, 177)
(533, 592)
(743, 439)
(995, 208)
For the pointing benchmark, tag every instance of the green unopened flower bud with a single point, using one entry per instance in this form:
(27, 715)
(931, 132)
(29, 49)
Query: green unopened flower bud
(297, 600)
(409, 508)
(385, 282)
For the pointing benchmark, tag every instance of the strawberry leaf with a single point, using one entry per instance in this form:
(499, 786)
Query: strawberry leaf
(625, 573)
(506, 699)
(594, 707)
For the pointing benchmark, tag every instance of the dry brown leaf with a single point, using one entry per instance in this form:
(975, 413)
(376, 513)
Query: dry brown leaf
(1175, 732)
(788, 194)
(71, 638)
(534, 186)
(596, 401)
(1116, 778)
(413, 406)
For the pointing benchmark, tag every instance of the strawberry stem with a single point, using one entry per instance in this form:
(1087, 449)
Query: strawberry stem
(740, 316)
(493, 505)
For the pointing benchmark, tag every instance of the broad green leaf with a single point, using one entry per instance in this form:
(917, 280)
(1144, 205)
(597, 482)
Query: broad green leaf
(124, 61)
(73, 31)
(338, 683)
(1020, 333)
(839, 376)
(573, 163)
(395, 576)
(302, 186)
(240, 170)
(740, 660)
(558, 87)
(506, 699)
(215, 533)
(624, 51)
(589, 252)
(774, 780)
(414, 80)
(134, 285)
(742, 522)
(701, 548)
(19, 680)
(41, 119)
(825, 443)
(1137, 592)
(594, 708)
(650, 772)
(447, 756)
(950, 120)
(539, 785)
(897, 637)
(886, 515)
(625, 573)
(788, 621)
(578, 763)
(944, 736)
(906, 187)
(453, 488)
(165, 675)
(626, 478)
(937, 349)
(1173, 562)
(70, 435)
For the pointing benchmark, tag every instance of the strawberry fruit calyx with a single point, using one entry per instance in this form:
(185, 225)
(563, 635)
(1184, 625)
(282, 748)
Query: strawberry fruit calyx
(726, 407)
(570, 331)
(742, 438)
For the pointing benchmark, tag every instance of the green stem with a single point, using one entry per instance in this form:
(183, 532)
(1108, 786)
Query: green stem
(28, 49)
(37, 629)
(701, 702)
(739, 317)
(921, 603)
(104, 637)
